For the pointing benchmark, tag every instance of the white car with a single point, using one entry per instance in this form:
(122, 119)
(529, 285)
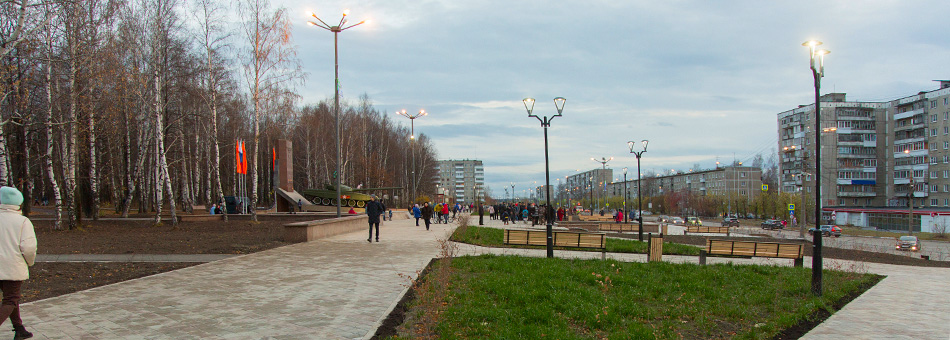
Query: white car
(678, 221)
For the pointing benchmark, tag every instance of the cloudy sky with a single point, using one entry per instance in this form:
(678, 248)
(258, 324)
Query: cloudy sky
(700, 79)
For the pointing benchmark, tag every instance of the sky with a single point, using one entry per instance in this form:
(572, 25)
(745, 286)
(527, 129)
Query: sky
(701, 80)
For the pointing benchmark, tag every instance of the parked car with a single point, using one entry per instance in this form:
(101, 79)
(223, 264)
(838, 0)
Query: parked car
(677, 221)
(730, 222)
(772, 224)
(827, 230)
(693, 221)
(908, 243)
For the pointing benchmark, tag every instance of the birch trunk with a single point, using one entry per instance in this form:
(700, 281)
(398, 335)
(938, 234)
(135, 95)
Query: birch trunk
(93, 161)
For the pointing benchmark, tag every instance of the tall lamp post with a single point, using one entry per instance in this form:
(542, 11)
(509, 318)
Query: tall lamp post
(412, 146)
(513, 199)
(818, 71)
(633, 149)
(603, 162)
(545, 123)
(336, 92)
(626, 218)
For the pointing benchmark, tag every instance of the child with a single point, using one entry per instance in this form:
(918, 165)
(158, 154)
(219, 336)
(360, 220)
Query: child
(504, 217)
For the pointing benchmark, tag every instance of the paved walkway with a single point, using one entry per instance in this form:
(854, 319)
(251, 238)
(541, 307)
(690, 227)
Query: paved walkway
(336, 288)
(132, 257)
(342, 287)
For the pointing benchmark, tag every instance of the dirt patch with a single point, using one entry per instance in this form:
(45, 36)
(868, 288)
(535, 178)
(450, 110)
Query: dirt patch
(138, 237)
(49, 279)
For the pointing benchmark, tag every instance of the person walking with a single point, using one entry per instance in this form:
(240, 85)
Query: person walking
(445, 213)
(426, 214)
(17, 253)
(373, 209)
(417, 213)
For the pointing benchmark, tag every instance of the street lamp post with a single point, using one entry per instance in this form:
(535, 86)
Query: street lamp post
(633, 146)
(590, 190)
(626, 217)
(603, 162)
(818, 71)
(513, 199)
(412, 145)
(545, 123)
(336, 93)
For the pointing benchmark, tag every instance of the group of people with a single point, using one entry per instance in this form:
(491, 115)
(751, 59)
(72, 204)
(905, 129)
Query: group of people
(442, 212)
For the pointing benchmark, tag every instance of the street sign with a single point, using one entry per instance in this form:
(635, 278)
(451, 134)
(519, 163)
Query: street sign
(765, 187)
(834, 215)
(791, 207)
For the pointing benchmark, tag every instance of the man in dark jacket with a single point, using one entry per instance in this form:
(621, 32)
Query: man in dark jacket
(427, 214)
(373, 209)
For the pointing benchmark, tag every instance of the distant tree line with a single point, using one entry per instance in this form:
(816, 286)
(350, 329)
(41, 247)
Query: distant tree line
(138, 105)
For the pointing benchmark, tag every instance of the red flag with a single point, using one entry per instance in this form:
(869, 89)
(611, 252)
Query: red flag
(237, 157)
(274, 153)
(243, 158)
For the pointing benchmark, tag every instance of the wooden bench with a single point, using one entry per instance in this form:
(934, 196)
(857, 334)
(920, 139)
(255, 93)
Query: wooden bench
(595, 218)
(706, 229)
(749, 249)
(564, 239)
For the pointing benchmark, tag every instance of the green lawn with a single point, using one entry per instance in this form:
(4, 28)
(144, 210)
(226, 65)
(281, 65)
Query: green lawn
(493, 237)
(508, 297)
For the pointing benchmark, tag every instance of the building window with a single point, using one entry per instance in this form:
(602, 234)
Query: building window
(933, 202)
(933, 132)
(933, 104)
(946, 202)
(933, 188)
(946, 130)
(946, 188)
(933, 174)
(933, 117)
(946, 159)
(946, 115)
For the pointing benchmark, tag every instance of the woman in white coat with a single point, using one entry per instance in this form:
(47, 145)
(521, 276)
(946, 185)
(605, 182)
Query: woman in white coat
(17, 252)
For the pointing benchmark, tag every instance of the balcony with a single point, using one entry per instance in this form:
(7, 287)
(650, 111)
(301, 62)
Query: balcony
(901, 181)
(856, 194)
(908, 114)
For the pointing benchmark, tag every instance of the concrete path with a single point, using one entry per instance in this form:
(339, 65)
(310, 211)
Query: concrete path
(338, 288)
(132, 257)
(342, 288)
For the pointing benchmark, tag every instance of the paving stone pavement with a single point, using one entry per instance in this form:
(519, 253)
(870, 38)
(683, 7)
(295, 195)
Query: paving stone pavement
(131, 257)
(337, 288)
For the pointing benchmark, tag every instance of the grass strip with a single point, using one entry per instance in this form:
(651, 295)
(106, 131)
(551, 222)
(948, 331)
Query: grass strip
(509, 297)
(493, 237)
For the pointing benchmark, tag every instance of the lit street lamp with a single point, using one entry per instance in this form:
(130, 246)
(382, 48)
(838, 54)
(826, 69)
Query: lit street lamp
(412, 146)
(633, 149)
(818, 71)
(336, 92)
(545, 123)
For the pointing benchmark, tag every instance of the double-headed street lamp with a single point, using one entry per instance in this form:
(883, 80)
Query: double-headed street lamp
(545, 123)
(638, 151)
(412, 146)
(603, 162)
(340, 27)
(818, 71)
(513, 199)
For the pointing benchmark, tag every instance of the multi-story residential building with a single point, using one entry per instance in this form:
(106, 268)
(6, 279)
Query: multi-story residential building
(744, 181)
(458, 180)
(877, 158)
(540, 193)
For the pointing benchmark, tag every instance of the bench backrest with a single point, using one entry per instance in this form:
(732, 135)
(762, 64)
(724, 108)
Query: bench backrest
(757, 249)
(621, 227)
(706, 229)
(561, 238)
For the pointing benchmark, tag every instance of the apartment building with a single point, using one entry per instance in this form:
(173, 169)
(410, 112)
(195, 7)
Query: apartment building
(877, 158)
(460, 180)
(588, 184)
(744, 181)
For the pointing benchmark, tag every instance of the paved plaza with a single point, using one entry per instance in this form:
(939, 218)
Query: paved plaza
(342, 287)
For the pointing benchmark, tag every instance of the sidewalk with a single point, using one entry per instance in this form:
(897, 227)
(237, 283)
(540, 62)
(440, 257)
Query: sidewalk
(337, 288)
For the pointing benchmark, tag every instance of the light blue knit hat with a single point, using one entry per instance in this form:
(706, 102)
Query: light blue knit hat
(11, 196)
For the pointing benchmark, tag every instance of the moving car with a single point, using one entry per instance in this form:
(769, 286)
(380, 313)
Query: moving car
(693, 221)
(827, 230)
(908, 243)
(772, 224)
(677, 221)
(730, 222)
(663, 219)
